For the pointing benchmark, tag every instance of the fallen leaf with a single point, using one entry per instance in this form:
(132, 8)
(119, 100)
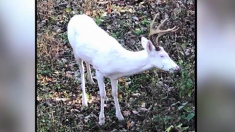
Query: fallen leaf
(64, 60)
(49, 79)
(126, 113)
(109, 7)
(136, 18)
(69, 74)
(122, 80)
(136, 94)
(143, 109)
(128, 124)
(135, 112)
(103, 2)
(39, 99)
(88, 13)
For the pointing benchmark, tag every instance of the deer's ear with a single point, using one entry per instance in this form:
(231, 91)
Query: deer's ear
(150, 47)
(144, 42)
(147, 44)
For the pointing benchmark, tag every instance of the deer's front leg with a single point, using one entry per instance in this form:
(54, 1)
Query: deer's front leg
(114, 84)
(100, 79)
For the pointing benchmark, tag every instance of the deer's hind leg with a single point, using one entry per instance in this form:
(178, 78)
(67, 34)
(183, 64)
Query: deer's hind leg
(81, 68)
(89, 75)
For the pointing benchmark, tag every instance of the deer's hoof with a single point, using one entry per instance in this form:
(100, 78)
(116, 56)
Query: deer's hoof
(84, 103)
(101, 121)
(120, 117)
(91, 82)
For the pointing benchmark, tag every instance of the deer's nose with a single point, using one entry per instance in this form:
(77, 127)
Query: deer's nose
(177, 68)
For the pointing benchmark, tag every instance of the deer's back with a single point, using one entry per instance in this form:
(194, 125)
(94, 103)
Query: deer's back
(91, 43)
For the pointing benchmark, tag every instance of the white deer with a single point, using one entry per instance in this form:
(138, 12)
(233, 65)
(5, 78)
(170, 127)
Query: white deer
(93, 45)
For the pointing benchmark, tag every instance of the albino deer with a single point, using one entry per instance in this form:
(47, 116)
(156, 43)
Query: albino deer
(93, 45)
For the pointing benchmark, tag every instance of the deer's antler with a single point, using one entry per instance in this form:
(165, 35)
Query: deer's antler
(159, 32)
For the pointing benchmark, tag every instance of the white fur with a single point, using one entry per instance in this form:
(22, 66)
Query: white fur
(93, 45)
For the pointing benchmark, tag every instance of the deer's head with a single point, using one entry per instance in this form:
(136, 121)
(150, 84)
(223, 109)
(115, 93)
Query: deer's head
(157, 55)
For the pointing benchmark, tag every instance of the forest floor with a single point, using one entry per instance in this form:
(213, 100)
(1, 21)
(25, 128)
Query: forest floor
(150, 101)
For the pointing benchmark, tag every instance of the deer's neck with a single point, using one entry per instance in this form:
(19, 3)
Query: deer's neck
(135, 62)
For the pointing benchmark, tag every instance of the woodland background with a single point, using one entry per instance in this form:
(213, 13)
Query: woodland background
(150, 101)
